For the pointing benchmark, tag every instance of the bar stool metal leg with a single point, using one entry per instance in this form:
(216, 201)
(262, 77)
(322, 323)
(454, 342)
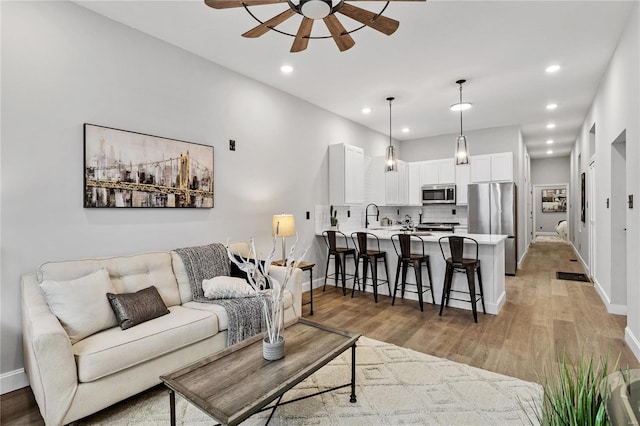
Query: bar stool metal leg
(472, 290)
(417, 269)
(481, 289)
(395, 288)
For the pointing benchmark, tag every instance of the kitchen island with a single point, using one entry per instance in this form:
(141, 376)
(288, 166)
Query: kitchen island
(490, 253)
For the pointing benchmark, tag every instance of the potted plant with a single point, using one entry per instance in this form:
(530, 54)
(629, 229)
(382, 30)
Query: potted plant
(574, 396)
(333, 217)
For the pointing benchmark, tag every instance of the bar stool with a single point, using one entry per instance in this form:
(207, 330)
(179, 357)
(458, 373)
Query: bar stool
(370, 257)
(406, 259)
(340, 259)
(458, 263)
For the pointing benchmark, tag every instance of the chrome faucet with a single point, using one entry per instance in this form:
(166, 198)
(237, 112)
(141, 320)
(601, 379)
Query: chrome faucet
(366, 214)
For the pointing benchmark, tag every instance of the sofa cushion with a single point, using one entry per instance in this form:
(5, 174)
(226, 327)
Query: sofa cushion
(221, 313)
(81, 304)
(224, 287)
(128, 273)
(135, 308)
(114, 349)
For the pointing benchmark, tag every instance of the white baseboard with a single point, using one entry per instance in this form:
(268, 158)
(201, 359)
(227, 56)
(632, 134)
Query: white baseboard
(632, 341)
(523, 257)
(580, 259)
(612, 308)
(13, 380)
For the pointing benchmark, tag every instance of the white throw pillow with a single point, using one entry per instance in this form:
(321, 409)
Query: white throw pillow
(224, 287)
(81, 305)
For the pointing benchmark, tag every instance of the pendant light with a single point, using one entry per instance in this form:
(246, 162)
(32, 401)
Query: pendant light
(391, 163)
(462, 150)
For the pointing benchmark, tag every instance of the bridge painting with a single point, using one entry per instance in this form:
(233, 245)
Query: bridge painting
(127, 169)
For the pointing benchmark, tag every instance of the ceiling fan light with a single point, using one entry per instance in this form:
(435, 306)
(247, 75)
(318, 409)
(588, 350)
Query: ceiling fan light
(460, 106)
(316, 9)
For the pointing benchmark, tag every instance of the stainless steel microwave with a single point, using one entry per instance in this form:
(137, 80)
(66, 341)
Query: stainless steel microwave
(438, 194)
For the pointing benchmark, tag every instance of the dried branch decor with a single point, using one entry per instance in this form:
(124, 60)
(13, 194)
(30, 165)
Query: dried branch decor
(269, 290)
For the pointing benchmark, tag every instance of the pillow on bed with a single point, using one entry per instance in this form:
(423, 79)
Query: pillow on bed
(80, 304)
(223, 287)
(136, 308)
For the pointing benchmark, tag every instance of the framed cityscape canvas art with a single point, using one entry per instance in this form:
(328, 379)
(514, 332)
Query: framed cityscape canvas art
(128, 169)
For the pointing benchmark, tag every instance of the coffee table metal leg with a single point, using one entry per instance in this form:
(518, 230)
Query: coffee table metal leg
(275, 407)
(172, 406)
(311, 288)
(353, 374)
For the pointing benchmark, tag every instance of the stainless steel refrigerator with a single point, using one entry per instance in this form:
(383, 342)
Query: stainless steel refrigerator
(493, 210)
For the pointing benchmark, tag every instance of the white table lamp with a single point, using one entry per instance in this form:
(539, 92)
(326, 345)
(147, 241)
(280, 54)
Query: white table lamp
(283, 225)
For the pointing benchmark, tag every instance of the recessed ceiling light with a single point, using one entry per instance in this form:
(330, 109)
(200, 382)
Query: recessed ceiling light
(552, 106)
(405, 130)
(366, 110)
(549, 152)
(549, 141)
(287, 69)
(460, 106)
(551, 126)
(552, 68)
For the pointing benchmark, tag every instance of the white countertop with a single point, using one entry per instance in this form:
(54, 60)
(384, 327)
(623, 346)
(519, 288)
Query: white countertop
(385, 233)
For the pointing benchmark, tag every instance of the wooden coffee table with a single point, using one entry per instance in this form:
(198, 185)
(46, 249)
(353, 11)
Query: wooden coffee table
(237, 382)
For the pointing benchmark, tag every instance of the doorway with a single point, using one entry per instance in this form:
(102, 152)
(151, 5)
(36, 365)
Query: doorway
(591, 196)
(618, 205)
(549, 209)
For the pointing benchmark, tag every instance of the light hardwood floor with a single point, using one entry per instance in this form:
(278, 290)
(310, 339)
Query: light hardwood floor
(542, 318)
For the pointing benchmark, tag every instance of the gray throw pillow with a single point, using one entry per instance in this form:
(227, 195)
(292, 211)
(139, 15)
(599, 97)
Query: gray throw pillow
(135, 308)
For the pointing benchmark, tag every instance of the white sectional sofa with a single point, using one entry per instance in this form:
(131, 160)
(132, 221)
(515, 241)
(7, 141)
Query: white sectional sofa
(71, 381)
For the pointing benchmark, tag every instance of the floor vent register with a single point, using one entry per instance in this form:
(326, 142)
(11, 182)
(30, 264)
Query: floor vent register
(572, 276)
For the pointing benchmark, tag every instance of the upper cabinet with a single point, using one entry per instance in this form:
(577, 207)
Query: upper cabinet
(492, 167)
(396, 186)
(414, 195)
(346, 175)
(437, 172)
(462, 184)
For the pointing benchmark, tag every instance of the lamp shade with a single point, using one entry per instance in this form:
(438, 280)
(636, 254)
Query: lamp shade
(284, 225)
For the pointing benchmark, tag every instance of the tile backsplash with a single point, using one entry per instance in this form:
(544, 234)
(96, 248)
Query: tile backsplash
(355, 218)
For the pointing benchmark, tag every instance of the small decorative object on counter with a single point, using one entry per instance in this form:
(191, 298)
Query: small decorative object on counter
(270, 292)
(333, 217)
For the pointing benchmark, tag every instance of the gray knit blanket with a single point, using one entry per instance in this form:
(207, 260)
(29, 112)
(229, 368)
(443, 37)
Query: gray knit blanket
(246, 317)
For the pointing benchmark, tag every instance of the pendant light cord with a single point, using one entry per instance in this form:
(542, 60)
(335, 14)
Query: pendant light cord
(390, 100)
(460, 109)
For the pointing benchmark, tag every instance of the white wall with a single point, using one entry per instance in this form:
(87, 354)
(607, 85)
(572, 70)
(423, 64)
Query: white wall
(615, 109)
(63, 65)
(484, 141)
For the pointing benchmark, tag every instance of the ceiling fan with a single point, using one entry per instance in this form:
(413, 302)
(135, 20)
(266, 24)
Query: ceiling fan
(312, 10)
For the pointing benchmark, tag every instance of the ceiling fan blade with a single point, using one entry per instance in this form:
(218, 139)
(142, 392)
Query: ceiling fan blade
(339, 34)
(381, 23)
(302, 37)
(227, 4)
(271, 23)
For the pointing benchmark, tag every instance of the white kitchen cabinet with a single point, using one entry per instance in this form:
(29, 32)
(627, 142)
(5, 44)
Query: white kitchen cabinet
(414, 195)
(502, 167)
(446, 171)
(492, 167)
(437, 172)
(396, 186)
(462, 181)
(346, 175)
(480, 168)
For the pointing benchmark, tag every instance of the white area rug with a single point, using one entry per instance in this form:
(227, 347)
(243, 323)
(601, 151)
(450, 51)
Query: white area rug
(549, 239)
(394, 386)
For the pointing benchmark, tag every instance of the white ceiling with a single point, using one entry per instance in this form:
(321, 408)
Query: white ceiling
(501, 47)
